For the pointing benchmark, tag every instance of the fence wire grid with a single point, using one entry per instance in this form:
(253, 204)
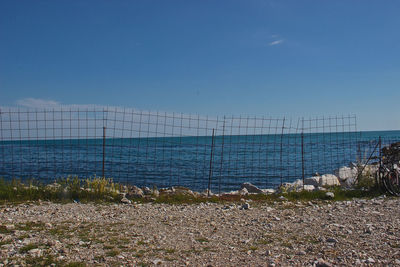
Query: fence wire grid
(147, 148)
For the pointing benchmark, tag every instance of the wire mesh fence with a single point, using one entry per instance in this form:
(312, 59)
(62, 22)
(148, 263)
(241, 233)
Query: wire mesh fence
(369, 150)
(166, 149)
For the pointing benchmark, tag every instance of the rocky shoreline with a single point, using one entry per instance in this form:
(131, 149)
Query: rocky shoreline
(345, 178)
(282, 233)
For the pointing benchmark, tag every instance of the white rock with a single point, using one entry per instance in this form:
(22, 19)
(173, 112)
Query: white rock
(268, 191)
(36, 253)
(296, 186)
(330, 194)
(157, 262)
(312, 181)
(135, 192)
(251, 188)
(243, 191)
(236, 192)
(370, 260)
(329, 180)
(345, 173)
(147, 191)
(207, 193)
(309, 187)
(298, 182)
(125, 200)
(10, 227)
(156, 193)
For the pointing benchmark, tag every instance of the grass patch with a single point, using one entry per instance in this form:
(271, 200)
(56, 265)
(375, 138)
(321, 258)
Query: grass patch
(170, 250)
(139, 254)
(29, 226)
(104, 190)
(141, 243)
(340, 194)
(76, 264)
(202, 240)
(28, 247)
(112, 253)
(5, 242)
(21, 237)
(4, 230)
(42, 261)
(63, 190)
(108, 247)
(287, 244)
(264, 242)
(311, 239)
(183, 199)
(61, 232)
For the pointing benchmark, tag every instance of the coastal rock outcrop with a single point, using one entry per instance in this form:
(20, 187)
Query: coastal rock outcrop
(251, 188)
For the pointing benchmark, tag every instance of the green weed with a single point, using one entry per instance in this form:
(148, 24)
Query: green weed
(28, 247)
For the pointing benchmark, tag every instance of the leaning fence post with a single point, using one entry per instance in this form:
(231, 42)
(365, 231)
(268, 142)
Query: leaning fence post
(302, 156)
(281, 152)
(211, 160)
(104, 149)
(380, 151)
(378, 176)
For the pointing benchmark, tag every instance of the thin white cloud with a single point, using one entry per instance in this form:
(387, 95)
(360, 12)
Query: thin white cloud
(37, 103)
(277, 42)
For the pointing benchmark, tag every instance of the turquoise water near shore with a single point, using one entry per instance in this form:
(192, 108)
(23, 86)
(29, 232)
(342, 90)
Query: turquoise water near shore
(264, 160)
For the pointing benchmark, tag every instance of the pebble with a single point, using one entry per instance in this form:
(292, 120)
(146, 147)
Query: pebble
(331, 240)
(246, 206)
(207, 233)
(330, 194)
(126, 201)
(370, 260)
(36, 253)
(322, 263)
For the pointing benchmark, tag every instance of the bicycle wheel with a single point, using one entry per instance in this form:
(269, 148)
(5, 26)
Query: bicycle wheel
(393, 182)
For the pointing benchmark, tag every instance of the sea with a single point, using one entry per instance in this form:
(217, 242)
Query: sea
(220, 163)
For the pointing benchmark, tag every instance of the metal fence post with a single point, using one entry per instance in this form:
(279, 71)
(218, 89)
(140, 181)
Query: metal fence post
(104, 150)
(302, 156)
(211, 160)
(222, 157)
(281, 152)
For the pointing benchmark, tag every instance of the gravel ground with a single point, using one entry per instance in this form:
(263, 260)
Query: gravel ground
(323, 233)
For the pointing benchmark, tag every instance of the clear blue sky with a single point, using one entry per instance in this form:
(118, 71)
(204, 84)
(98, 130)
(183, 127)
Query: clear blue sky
(293, 58)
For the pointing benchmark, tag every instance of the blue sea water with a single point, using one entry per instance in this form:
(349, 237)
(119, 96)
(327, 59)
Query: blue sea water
(195, 162)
